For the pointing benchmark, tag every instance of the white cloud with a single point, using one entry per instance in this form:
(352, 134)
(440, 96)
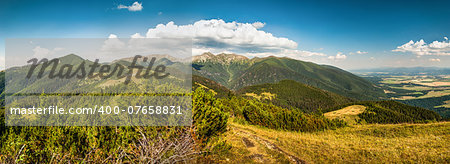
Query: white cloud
(339, 56)
(361, 52)
(2, 61)
(114, 48)
(137, 35)
(358, 52)
(40, 52)
(434, 60)
(420, 48)
(112, 44)
(221, 33)
(112, 36)
(258, 25)
(160, 13)
(136, 6)
(295, 54)
(303, 53)
(217, 36)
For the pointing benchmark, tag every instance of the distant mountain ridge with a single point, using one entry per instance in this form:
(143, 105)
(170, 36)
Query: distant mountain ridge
(236, 71)
(220, 58)
(15, 77)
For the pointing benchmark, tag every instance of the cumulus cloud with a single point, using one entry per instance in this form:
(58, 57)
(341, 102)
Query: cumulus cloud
(358, 52)
(137, 35)
(218, 36)
(136, 6)
(112, 44)
(295, 54)
(303, 53)
(258, 25)
(40, 52)
(361, 52)
(113, 47)
(220, 33)
(421, 48)
(339, 56)
(434, 60)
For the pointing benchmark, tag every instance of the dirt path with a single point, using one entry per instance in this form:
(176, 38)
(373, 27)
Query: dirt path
(251, 141)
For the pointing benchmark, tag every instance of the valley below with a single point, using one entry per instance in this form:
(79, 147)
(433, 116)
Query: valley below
(424, 87)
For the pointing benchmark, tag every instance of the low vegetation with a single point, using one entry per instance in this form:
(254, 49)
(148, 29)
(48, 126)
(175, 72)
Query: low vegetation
(111, 144)
(393, 143)
(254, 112)
(392, 112)
(294, 95)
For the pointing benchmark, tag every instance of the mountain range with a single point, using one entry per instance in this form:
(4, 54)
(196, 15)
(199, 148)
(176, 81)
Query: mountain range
(281, 81)
(235, 72)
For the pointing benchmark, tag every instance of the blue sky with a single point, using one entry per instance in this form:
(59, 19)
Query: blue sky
(325, 32)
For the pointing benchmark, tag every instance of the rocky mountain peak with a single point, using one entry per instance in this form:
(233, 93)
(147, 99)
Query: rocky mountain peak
(222, 58)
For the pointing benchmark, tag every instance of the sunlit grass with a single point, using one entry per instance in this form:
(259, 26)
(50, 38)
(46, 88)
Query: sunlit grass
(405, 143)
(349, 114)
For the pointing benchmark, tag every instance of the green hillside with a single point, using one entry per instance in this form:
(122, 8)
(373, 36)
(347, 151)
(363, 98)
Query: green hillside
(14, 77)
(236, 72)
(291, 94)
(218, 89)
(392, 112)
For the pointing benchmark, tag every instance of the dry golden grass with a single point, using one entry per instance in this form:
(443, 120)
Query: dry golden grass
(435, 84)
(446, 105)
(414, 88)
(242, 152)
(403, 98)
(262, 96)
(205, 87)
(436, 94)
(110, 83)
(349, 114)
(400, 143)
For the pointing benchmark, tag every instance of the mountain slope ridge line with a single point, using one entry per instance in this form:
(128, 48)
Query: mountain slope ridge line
(246, 72)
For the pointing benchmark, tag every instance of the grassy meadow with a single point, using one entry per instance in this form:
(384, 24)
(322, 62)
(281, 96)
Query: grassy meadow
(349, 114)
(374, 143)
